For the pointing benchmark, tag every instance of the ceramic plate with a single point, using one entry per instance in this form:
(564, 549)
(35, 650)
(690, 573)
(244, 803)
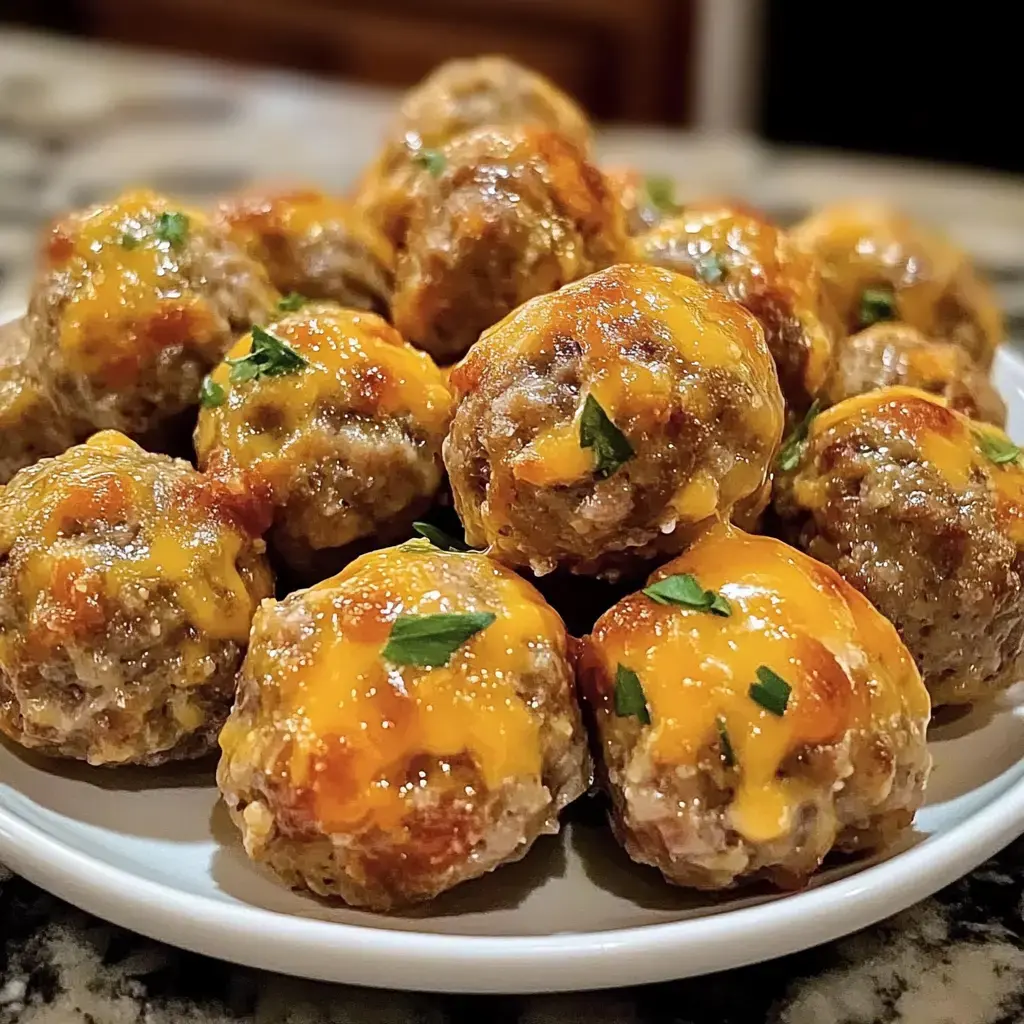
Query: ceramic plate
(154, 851)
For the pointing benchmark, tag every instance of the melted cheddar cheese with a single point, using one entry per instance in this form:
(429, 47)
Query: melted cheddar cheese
(356, 724)
(145, 530)
(844, 662)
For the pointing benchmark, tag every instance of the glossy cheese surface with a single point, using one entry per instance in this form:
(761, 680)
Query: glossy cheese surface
(844, 662)
(356, 723)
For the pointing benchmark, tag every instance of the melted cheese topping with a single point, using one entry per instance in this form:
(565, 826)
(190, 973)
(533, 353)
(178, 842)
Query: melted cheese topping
(847, 668)
(356, 724)
(175, 530)
(356, 364)
(130, 297)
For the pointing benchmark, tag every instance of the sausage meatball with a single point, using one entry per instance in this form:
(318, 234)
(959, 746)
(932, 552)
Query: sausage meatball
(597, 425)
(880, 265)
(893, 353)
(31, 424)
(457, 97)
(314, 246)
(341, 425)
(749, 259)
(510, 214)
(753, 713)
(922, 510)
(135, 302)
(127, 584)
(402, 727)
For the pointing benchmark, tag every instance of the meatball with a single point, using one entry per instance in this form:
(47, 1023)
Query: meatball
(402, 727)
(753, 713)
(457, 97)
(922, 510)
(31, 423)
(596, 426)
(880, 265)
(135, 302)
(313, 245)
(509, 215)
(127, 585)
(892, 353)
(343, 430)
(745, 257)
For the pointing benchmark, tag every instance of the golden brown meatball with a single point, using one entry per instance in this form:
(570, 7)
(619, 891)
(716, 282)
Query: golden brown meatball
(459, 96)
(341, 425)
(136, 300)
(879, 265)
(402, 727)
(891, 353)
(127, 584)
(749, 259)
(753, 712)
(922, 510)
(313, 245)
(32, 425)
(598, 425)
(510, 214)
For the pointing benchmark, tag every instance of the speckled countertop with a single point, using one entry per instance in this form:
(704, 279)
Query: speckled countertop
(76, 124)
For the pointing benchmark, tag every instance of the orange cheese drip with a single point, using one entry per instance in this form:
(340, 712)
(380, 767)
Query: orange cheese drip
(845, 664)
(357, 722)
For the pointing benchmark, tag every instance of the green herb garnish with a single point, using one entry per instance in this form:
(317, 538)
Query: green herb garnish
(130, 241)
(724, 743)
(1000, 450)
(440, 539)
(771, 691)
(172, 228)
(793, 447)
(876, 304)
(611, 447)
(661, 193)
(684, 590)
(211, 394)
(629, 696)
(429, 641)
(268, 357)
(710, 268)
(432, 160)
(291, 302)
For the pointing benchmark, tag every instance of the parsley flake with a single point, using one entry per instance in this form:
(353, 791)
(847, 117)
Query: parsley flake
(876, 304)
(684, 590)
(211, 394)
(724, 743)
(611, 446)
(710, 268)
(793, 447)
(771, 691)
(291, 302)
(439, 539)
(429, 641)
(661, 193)
(268, 357)
(1000, 450)
(432, 160)
(629, 696)
(172, 228)
(130, 241)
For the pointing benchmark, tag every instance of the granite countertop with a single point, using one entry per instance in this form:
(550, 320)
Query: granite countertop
(79, 122)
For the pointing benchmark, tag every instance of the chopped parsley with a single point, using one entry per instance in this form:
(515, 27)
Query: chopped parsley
(610, 445)
(710, 268)
(724, 743)
(291, 302)
(661, 193)
(771, 691)
(172, 228)
(793, 447)
(629, 696)
(432, 160)
(130, 241)
(268, 357)
(684, 590)
(1000, 450)
(876, 304)
(211, 394)
(440, 539)
(429, 641)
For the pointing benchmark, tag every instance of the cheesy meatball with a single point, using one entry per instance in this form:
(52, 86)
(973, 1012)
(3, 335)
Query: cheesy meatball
(31, 423)
(879, 265)
(598, 425)
(509, 214)
(330, 413)
(457, 97)
(922, 510)
(313, 246)
(891, 353)
(127, 585)
(402, 727)
(753, 712)
(135, 301)
(747, 258)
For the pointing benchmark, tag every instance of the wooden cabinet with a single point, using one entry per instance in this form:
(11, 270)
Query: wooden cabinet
(626, 60)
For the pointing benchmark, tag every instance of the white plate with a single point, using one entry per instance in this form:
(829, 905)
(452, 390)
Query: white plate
(155, 852)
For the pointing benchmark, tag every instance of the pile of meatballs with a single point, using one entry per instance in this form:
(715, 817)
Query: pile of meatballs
(495, 362)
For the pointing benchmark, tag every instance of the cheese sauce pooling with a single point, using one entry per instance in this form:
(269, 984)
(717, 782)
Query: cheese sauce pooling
(355, 723)
(846, 667)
